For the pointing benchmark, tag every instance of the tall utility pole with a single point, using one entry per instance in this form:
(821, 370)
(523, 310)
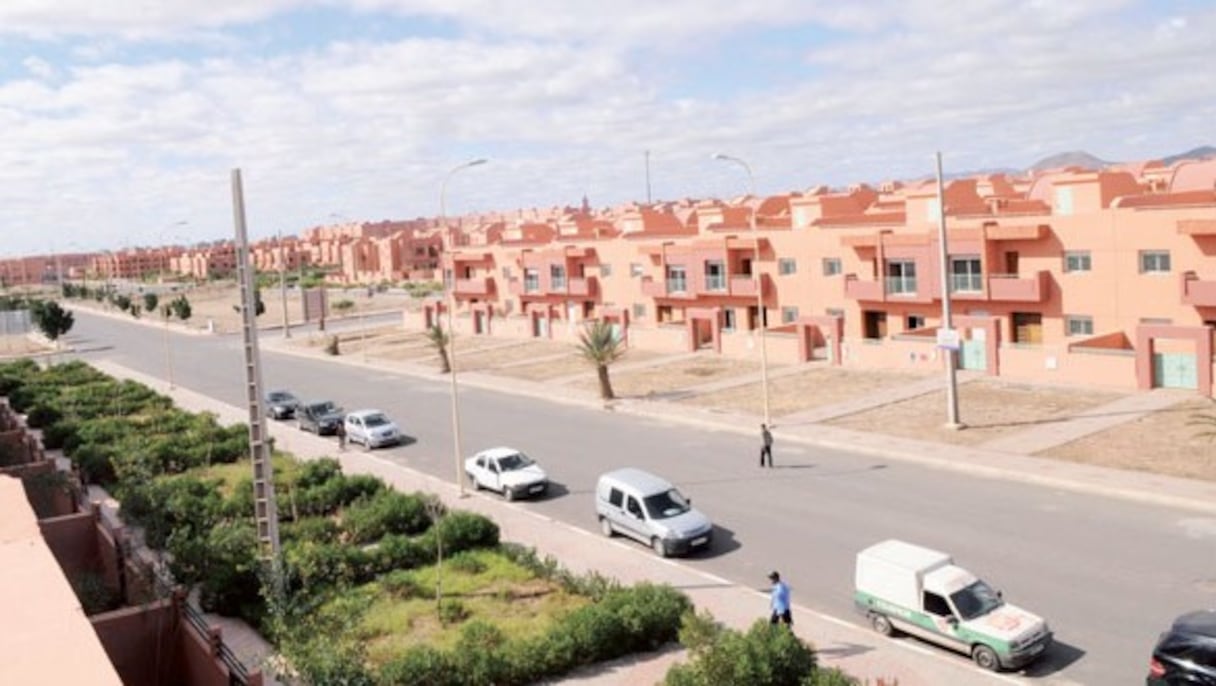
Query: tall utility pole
(761, 319)
(283, 286)
(443, 221)
(265, 510)
(648, 201)
(951, 348)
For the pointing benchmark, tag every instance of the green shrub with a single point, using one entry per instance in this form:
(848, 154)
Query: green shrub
(767, 655)
(57, 435)
(479, 653)
(401, 552)
(452, 611)
(466, 563)
(319, 529)
(42, 415)
(317, 472)
(387, 512)
(463, 531)
(321, 566)
(94, 594)
(403, 585)
(421, 666)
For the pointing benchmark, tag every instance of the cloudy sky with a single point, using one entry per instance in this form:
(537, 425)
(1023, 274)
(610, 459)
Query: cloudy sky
(119, 120)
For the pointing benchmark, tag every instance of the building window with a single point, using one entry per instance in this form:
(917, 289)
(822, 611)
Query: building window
(787, 266)
(635, 269)
(789, 315)
(1077, 261)
(1063, 201)
(639, 311)
(966, 274)
(715, 275)
(605, 270)
(557, 277)
(728, 319)
(506, 273)
(531, 281)
(1078, 325)
(913, 322)
(1154, 261)
(831, 266)
(901, 277)
(677, 279)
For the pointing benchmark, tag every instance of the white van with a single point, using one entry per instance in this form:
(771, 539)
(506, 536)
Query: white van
(644, 507)
(901, 586)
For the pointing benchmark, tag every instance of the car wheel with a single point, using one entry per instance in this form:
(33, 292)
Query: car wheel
(985, 658)
(300, 426)
(882, 625)
(660, 548)
(473, 483)
(606, 527)
(508, 493)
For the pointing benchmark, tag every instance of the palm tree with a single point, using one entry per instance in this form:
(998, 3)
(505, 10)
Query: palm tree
(440, 339)
(600, 345)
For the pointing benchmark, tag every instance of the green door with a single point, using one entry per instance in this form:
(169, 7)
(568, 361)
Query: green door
(972, 355)
(1175, 370)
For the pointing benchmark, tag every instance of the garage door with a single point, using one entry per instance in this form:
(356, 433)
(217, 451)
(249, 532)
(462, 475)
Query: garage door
(1175, 370)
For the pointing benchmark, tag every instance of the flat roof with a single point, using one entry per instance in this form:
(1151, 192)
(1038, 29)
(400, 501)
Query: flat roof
(45, 636)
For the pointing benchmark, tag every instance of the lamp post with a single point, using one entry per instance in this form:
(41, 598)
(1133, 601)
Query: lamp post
(443, 191)
(164, 308)
(283, 285)
(762, 320)
(952, 420)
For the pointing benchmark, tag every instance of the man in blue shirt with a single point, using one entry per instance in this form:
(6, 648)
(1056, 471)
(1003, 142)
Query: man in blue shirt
(779, 599)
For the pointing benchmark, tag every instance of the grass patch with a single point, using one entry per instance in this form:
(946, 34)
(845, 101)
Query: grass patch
(229, 475)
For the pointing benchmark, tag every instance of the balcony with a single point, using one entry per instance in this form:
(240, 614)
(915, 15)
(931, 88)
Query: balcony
(857, 289)
(901, 287)
(1197, 227)
(476, 287)
(1198, 292)
(743, 285)
(586, 287)
(1011, 288)
(669, 288)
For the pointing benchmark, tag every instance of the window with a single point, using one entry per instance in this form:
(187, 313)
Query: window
(787, 266)
(966, 274)
(616, 497)
(913, 322)
(531, 281)
(901, 277)
(728, 319)
(506, 273)
(677, 279)
(1077, 261)
(1154, 261)
(1078, 325)
(1063, 201)
(635, 269)
(557, 277)
(605, 270)
(831, 266)
(936, 605)
(789, 315)
(639, 311)
(715, 275)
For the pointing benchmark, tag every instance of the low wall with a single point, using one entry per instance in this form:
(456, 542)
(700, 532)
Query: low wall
(893, 353)
(73, 539)
(1114, 369)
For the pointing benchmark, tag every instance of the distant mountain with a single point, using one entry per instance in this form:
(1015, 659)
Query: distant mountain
(1075, 158)
(1196, 154)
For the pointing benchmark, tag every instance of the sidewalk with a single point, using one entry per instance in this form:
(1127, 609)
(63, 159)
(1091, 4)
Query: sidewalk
(855, 649)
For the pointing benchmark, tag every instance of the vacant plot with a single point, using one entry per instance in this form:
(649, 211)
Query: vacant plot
(20, 346)
(989, 408)
(816, 387)
(506, 352)
(214, 303)
(673, 377)
(1168, 441)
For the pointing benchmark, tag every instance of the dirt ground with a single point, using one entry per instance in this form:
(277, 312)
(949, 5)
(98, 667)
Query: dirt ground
(815, 387)
(214, 302)
(671, 378)
(20, 346)
(989, 408)
(1176, 447)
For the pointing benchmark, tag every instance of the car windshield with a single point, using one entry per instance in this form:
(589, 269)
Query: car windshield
(664, 505)
(510, 463)
(375, 420)
(280, 396)
(976, 600)
(323, 408)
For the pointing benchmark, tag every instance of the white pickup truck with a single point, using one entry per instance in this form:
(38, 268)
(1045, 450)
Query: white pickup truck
(904, 587)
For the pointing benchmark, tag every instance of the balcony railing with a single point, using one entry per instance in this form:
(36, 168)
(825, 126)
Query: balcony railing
(744, 284)
(677, 285)
(858, 289)
(966, 283)
(1197, 291)
(901, 285)
(715, 282)
(1013, 288)
(474, 286)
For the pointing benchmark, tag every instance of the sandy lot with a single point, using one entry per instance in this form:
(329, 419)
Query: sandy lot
(670, 378)
(507, 352)
(1175, 448)
(215, 302)
(989, 409)
(19, 346)
(815, 387)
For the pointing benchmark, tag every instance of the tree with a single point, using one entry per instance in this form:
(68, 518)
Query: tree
(150, 302)
(601, 346)
(122, 302)
(181, 307)
(51, 319)
(258, 306)
(440, 339)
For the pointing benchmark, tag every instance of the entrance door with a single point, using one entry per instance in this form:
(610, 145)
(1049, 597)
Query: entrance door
(1011, 263)
(875, 325)
(1027, 327)
(540, 327)
(973, 351)
(1175, 370)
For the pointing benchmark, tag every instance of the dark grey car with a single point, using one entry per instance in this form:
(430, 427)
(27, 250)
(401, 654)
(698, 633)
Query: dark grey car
(321, 417)
(281, 405)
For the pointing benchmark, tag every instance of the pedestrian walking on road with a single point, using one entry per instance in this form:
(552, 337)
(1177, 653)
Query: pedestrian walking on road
(766, 450)
(340, 432)
(779, 600)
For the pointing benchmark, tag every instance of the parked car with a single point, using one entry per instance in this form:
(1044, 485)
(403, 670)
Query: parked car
(1186, 654)
(905, 587)
(321, 417)
(371, 428)
(650, 510)
(508, 471)
(281, 405)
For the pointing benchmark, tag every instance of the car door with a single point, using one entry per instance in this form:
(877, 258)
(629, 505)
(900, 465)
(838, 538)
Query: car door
(354, 430)
(493, 474)
(634, 520)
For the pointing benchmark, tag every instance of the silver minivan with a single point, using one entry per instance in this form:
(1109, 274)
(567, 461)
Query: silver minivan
(644, 507)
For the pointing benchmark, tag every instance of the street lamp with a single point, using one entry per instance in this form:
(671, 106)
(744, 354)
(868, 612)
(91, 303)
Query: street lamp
(443, 192)
(283, 285)
(762, 320)
(164, 307)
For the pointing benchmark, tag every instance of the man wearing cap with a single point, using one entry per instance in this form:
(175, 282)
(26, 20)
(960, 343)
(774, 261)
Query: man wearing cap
(779, 599)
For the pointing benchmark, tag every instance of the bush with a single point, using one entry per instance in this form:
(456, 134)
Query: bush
(401, 552)
(387, 512)
(767, 655)
(463, 531)
(403, 585)
(466, 563)
(42, 415)
(421, 666)
(452, 612)
(319, 529)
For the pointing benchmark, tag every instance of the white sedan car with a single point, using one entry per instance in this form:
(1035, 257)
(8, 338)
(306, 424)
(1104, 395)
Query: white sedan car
(371, 429)
(508, 471)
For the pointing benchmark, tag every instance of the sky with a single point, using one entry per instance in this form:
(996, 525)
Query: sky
(121, 122)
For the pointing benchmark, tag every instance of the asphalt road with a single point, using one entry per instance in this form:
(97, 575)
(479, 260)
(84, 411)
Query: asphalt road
(1109, 575)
